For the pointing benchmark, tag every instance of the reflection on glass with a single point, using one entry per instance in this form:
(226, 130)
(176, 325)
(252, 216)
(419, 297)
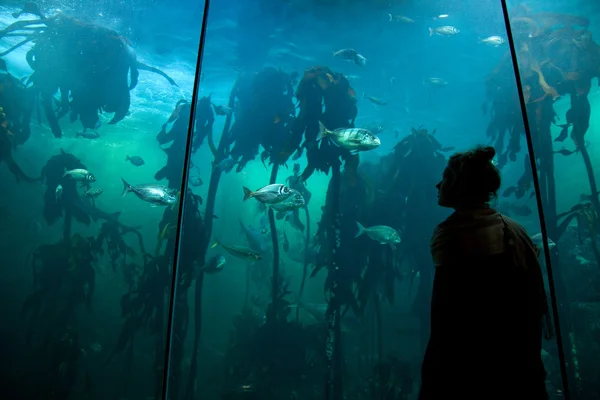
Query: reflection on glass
(83, 92)
(558, 62)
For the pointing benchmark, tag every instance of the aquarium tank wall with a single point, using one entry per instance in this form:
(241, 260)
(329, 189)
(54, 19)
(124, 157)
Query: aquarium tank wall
(159, 234)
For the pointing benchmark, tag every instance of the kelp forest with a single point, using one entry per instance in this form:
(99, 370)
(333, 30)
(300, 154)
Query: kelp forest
(376, 296)
(558, 58)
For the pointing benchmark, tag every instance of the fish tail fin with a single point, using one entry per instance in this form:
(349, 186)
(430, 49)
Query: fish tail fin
(126, 187)
(77, 134)
(247, 193)
(215, 244)
(430, 31)
(391, 17)
(323, 131)
(361, 229)
(127, 158)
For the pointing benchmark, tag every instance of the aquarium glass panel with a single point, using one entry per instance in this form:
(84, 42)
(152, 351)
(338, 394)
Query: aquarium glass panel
(558, 57)
(321, 130)
(94, 112)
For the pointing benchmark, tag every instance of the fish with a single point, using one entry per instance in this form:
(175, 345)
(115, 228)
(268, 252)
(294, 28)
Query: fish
(375, 100)
(345, 54)
(441, 16)
(80, 175)
(88, 135)
(293, 202)
(222, 110)
(256, 239)
(352, 139)
(214, 265)
(444, 31)
(135, 160)
(351, 55)
(400, 18)
(157, 195)
(493, 41)
(564, 152)
(240, 252)
(538, 240)
(225, 165)
(380, 233)
(58, 191)
(269, 194)
(196, 181)
(436, 81)
(3, 65)
(94, 192)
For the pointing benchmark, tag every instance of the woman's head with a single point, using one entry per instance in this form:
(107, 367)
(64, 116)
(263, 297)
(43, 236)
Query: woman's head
(470, 179)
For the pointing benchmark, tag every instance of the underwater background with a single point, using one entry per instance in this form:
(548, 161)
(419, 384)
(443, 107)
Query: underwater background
(106, 293)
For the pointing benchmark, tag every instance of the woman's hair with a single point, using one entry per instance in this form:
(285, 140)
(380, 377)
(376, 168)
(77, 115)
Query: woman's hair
(476, 178)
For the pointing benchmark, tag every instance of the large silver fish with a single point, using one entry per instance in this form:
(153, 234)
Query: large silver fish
(241, 252)
(269, 194)
(444, 31)
(80, 175)
(380, 233)
(154, 194)
(352, 139)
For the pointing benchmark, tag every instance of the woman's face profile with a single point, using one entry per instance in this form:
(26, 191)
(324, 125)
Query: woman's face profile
(444, 188)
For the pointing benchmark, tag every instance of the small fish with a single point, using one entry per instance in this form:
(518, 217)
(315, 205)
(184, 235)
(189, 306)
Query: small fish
(352, 139)
(80, 175)
(537, 239)
(135, 160)
(88, 135)
(225, 165)
(58, 191)
(436, 81)
(350, 55)
(380, 233)
(222, 110)
(269, 194)
(158, 195)
(94, 192)
(400, 18)
(240, 252)
(444, 31)
(564, 152)
(214, 265)
(392, 81)
(493, 41)
(375, 100)
(293, 202)
(441, 16)
(345, 54)
(196, 181)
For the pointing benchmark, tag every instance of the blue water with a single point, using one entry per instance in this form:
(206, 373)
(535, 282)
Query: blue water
(245, 37)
